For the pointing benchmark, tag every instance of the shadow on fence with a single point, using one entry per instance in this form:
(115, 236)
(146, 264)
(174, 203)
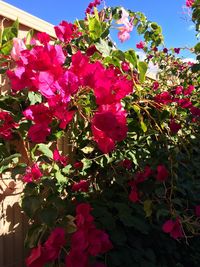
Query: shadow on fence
(13, 225)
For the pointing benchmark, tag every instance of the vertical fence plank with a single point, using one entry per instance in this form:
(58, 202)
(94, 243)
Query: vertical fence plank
(13, 225)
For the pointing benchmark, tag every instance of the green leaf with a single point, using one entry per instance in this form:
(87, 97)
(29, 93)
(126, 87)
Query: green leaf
(19, 169)
(6, 48)
(95, 29)
(130, 220)
(10, 32)
(142, 67)
(140, 225)
(154, 25)
(45, 150)
(48, 215)
(136, 109)
(143, 126)
(148, 207)
(141, 28)
(67, 169)
(29, 36)
(88, 149)
(131, 56)
(103, 47)
(33, 235)
(60, 178)
(81, 24)
(30, 204)
(118, 54)
(9, 159)
(162, 213)
(34, 98)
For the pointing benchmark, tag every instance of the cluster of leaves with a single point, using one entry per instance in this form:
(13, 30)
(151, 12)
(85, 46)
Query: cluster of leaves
(162, 135)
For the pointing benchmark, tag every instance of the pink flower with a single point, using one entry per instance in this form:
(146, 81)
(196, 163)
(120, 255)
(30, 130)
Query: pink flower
(125, 66)
(189, 3)
(43, 37)
(127, 164)
(108, 126)
(38, 69)
(68, 85)
(124, 33)
(140, 177)
(79, 240)
(179, 90)
(54, 243)
(124, 17)
(66, 31)
(62, 159)
(78, 165)
(173, 228)
(189, 90)
(46, 84)
(141, 45)
(177, 50)
(38, 113)
(110, 88)
(195, 111)
(89, 9)
(32, 174)
(19, 78)
(162, 173)
(83, 216)
(197, 210)
(91, 50)
(18, 46)
(99, 242)
(174, 126)
(7, 125)
(39, 132)
(77, 259)
(82, 185)
(165, 50)
(37, 258)
(185, 103)
(143, 175)
(49, 251)
(164, 98)
(155, 85)
(133, 196)
(60, 110)
(87, 240)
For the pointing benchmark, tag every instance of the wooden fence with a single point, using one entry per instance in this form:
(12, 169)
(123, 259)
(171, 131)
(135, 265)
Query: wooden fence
(13, 223)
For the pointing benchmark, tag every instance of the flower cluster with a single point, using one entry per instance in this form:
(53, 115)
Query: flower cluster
(161, 175)
(66, 31)
(91, 5)
(87, 240)
(49, 251)
(189, 3)
(174, 228)
(32, 174)
(57, 86)
(179, 96)
(126, 29)
(7, 125)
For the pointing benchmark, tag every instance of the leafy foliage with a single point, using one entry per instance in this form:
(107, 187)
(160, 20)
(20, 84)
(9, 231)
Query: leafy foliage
(106, 152)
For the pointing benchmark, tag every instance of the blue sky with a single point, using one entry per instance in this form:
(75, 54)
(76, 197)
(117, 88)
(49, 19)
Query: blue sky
(177, 26)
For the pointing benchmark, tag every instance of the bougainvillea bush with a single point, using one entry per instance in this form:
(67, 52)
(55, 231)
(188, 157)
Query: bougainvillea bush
(109, 156)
